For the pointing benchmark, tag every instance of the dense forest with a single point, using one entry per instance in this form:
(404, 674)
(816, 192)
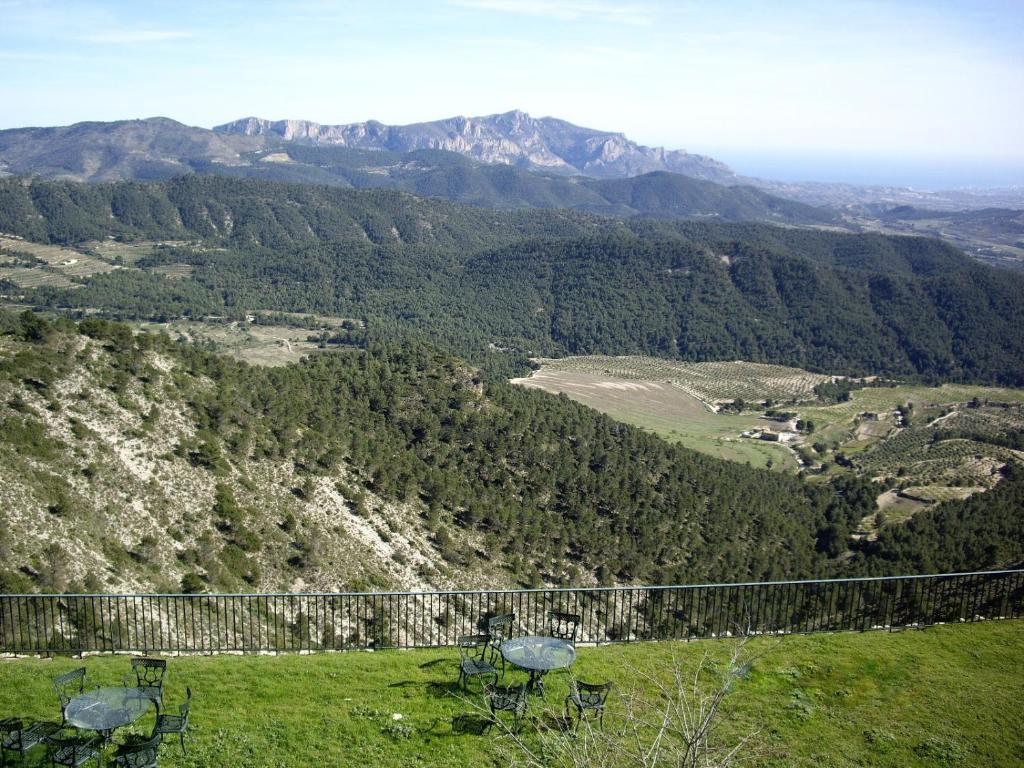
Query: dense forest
(548, 282)
(556, 492)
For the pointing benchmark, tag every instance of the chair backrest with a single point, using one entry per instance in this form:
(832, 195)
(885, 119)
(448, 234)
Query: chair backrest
(149, 672)
(563, 625)
(186, 705)
(140, 755)
(589, 695)
(506, 699)
(11, 729)
(70, 742)
(499, 628)
(473, 646)
(69, 685)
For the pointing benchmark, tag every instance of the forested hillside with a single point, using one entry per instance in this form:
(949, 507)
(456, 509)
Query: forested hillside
(548, 282)
(134, 462)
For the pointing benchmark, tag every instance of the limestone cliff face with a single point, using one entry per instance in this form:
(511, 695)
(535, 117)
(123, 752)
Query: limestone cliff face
(512, 138)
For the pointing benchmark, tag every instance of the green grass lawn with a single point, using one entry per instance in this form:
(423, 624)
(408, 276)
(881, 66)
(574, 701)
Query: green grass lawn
(942, 696)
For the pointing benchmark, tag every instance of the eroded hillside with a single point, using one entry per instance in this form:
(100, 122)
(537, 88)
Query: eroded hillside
(111, 483)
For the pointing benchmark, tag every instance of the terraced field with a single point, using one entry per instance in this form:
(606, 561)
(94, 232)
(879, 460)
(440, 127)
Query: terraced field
(174, 271)
(887, 399)
(126, 253)
(946, 453)
(65, 261)
(255, 344)
(34, 277)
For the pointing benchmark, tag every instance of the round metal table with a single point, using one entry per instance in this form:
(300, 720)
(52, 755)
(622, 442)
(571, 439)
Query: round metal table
(538, 656)
(104, 710)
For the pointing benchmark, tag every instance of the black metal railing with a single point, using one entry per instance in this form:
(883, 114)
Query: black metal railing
(32, 624)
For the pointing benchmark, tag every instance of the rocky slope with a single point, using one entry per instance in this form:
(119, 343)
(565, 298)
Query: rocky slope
(98, 493)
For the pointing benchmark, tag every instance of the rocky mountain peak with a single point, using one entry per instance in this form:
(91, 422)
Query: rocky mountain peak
(510, 138)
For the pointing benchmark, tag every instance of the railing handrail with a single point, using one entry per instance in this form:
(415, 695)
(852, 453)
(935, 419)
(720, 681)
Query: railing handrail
(508, 590)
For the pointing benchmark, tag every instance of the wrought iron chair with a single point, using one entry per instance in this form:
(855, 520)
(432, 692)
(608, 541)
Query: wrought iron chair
(588, 698)
(141, 755)
(148, 676)
(70, 749)
(69, 685)
(507, 699)
(473, 659)
(170, 724)
(499, 629)
(17, 737)
(563, 625)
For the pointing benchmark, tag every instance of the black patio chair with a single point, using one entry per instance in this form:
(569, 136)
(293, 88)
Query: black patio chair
(148, 676)
(16, 736)
(142, 755)
(499, 629)
(473, 659)
(171, 724)
(588, 698)
(507, 699)
(563, 625)
(69, 685)
(69, 748)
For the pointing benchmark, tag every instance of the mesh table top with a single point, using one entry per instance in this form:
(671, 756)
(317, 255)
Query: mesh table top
(538, 653)
(107, 708)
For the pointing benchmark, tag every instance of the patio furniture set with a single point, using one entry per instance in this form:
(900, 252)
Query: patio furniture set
(91, 714)
(537, 655)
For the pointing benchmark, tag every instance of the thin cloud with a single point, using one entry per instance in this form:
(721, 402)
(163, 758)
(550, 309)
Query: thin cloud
(131, 36)
(565, 10)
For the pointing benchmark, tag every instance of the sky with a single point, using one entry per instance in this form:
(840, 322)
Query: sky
(859, 83)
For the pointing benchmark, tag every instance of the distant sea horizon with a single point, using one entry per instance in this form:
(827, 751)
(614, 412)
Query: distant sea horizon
(926, 173)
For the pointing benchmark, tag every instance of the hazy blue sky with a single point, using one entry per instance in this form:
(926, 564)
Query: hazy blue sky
(913, 78)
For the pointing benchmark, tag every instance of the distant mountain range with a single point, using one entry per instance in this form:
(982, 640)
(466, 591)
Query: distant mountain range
(506, 160)
(511, 138)
(490, 170)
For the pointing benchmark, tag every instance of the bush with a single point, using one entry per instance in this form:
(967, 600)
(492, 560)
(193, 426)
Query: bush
(192, 583)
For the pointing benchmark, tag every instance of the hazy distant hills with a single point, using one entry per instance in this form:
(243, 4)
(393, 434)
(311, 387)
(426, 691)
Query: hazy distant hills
(151, 149)
(300, 152)
(506, 161)
(511, 138)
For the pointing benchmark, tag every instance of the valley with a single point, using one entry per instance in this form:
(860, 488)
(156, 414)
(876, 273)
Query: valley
(305, 374)
(920, 445)
(352, 414)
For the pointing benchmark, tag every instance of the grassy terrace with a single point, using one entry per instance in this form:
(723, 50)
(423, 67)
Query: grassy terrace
(943, 696)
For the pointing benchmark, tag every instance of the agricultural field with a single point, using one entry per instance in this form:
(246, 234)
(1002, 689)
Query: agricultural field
(942, 445)
(33, 265)
(34, 277)
(65, 261)
(252, 343)
(174, 271)
(128, 253)
(943, 696)
(711, 383)
(887, 399)
(667, 410)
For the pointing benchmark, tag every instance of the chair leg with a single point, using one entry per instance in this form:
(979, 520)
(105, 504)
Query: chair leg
(183, 752)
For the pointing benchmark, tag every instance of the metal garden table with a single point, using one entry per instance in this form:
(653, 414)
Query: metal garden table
(104, 710)
(538, 656)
